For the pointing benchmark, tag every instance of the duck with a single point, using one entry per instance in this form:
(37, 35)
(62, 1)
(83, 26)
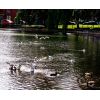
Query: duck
(71, 61)
(88, 76)
(43, 38)
(36, 36)
(88, 85)
(87, 81)
(54, 74)
(92, 85)
(83, 50)
(13, 67)
(43, 80)
(43, 71)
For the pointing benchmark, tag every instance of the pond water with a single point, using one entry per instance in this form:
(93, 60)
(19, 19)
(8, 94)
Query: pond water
(69, 56)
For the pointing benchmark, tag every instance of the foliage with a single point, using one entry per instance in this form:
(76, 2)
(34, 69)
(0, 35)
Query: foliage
(51, 18)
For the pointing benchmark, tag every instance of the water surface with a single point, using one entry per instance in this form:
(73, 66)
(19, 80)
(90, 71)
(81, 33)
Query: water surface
(70, 57)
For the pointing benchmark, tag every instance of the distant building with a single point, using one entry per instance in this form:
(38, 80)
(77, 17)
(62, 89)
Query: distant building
(7, 14)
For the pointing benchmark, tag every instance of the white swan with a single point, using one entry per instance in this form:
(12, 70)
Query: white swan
(27, 68)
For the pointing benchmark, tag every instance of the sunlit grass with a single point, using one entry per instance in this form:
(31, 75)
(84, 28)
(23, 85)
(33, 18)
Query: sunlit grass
(68, 26)
(80, 26)
(72, 26)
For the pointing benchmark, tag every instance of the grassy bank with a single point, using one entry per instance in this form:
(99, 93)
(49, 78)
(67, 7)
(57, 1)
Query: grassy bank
(80, 26)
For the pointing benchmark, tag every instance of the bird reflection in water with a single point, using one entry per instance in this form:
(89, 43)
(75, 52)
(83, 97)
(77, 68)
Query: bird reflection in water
(42, 81)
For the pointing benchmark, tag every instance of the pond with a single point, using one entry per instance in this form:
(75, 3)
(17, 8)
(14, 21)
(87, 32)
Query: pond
(69, 56)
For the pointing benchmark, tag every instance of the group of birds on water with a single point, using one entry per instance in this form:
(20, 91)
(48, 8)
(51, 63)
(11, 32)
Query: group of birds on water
(39, 78)
(89, 82)
(41, 38)
(18, 68)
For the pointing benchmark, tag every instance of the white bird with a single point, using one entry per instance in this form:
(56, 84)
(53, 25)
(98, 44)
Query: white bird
(83, 50)
(42, 48)
(71, 61)
(36, 36)
(41, 38)
(46, 72)
(50, 58)
(47, 37)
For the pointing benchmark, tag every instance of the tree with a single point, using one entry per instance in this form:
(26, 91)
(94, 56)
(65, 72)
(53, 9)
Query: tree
(53, 19)
(66, 16)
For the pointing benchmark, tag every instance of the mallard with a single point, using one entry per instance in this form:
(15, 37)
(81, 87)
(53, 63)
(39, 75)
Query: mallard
(14, 67)
(54, 74)
(91, 84)
(84, 84)
(43, 80)
(88, 76)
(86, 81)
(11, 67)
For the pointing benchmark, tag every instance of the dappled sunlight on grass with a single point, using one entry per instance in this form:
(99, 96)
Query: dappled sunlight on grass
(80, 26)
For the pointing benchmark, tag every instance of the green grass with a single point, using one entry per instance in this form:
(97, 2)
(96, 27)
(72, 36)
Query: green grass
(69, 26)
(80, 26)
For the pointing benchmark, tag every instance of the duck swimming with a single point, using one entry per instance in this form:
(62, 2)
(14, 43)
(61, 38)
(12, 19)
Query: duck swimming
(83, 50)
(41, 79)
(14, 67)
(88, 77)
(54, 74)
(87, 81)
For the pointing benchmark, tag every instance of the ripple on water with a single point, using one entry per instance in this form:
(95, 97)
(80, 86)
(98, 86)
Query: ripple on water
(48, 56)
(69, 82)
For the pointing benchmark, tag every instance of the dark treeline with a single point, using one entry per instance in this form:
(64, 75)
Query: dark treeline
(52, 17)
